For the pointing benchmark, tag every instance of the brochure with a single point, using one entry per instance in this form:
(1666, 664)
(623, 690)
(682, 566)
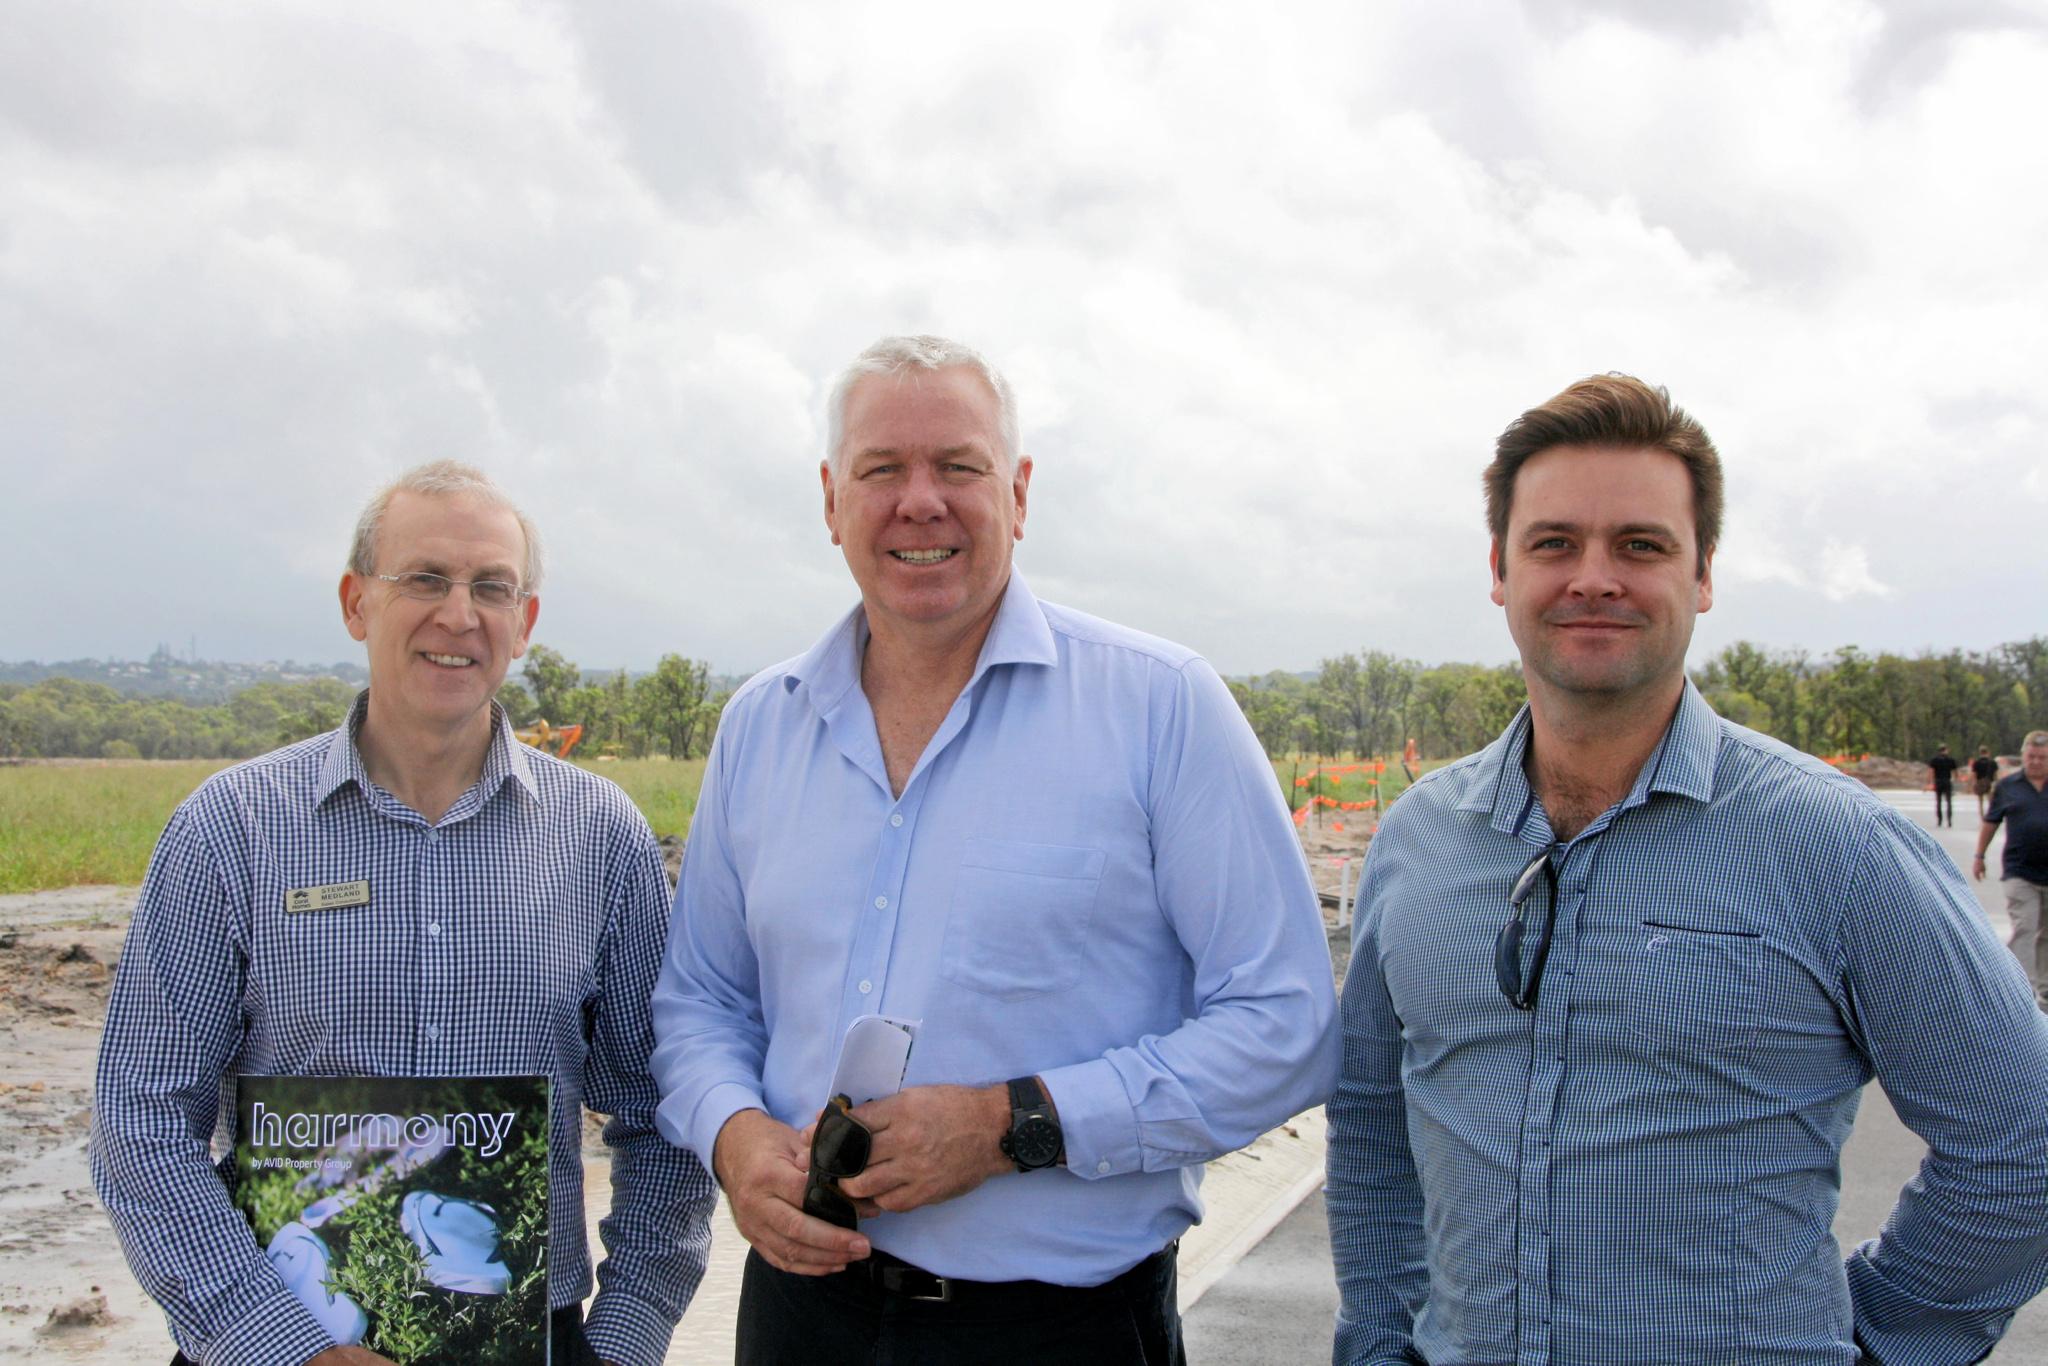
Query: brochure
(409, 1214)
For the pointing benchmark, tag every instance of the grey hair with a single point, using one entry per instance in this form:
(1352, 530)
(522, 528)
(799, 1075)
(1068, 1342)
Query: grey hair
(442, 478)
(2036, 739)
(900, 355)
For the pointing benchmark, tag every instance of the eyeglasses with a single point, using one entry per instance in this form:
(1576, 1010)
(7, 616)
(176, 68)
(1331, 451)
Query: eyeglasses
(493, 593)
(1507, 947)
(839, 1148)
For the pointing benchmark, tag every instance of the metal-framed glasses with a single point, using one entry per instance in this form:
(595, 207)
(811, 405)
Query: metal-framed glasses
(499, 594)
(1507, 947)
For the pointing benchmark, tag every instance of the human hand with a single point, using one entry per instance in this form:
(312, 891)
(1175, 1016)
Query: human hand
(761, 1163)
(348, 1356)
(1977, 867)
(931, 1143)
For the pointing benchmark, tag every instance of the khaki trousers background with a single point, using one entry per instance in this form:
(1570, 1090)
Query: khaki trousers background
(2025, 902)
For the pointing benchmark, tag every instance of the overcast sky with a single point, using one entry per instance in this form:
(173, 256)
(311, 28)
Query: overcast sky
(1268, 280)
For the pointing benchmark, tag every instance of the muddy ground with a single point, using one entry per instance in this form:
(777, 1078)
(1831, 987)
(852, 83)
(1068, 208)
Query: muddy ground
(65, 1293)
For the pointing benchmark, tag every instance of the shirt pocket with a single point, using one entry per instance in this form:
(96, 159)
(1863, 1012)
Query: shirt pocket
(1694, 986)
(1019, 922)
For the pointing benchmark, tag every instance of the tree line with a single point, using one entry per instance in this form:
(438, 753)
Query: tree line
(672, 711)
(1369, 702)
(1846, 702)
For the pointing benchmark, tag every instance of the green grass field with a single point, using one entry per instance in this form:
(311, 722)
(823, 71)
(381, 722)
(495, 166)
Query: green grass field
(64, 824)
(664, 790)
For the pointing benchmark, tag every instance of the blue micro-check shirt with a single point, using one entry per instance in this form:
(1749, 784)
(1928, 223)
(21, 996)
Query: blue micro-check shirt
(1090, 876)
(519, 935)
(1646, 1168)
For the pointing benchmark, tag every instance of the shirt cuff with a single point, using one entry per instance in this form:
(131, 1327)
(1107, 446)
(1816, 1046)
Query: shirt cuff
(1097, 1123)
(698, 1130)
(277, 1329)
(628, 1332)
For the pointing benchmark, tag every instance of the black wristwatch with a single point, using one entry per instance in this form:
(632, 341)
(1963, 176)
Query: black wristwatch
(1034, 1140)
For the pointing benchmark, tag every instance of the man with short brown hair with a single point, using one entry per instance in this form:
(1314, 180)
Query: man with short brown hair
(1618, 981)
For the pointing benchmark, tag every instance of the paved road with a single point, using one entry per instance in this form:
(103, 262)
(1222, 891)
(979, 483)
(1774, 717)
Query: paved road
(1277, 1304)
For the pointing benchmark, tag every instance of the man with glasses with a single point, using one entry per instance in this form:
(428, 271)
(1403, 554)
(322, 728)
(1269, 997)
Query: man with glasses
(414, 894)
(1619, 979)
(1051, 841)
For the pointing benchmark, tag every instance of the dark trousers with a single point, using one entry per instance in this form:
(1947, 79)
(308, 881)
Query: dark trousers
(565, 1327)
(855, 1318)
(1944, 803)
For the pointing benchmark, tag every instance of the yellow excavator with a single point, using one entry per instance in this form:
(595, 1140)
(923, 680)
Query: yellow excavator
(555, 740)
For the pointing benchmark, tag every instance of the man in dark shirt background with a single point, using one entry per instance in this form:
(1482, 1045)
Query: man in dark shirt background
(2020, 804)
(1983, 772)
(1944, 766)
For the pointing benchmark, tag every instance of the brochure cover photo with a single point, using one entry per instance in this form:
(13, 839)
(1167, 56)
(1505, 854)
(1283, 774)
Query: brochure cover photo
(409, 1214)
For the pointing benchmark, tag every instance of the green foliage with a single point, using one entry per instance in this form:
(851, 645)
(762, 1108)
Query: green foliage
(551, 678)
(65, 718)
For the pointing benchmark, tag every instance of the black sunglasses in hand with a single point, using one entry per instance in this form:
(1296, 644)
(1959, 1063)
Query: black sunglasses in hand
(1507, 947)
(840, 1145)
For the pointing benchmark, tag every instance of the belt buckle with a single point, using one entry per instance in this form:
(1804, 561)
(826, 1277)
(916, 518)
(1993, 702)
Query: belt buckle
(944, 1295)
(915, 1283)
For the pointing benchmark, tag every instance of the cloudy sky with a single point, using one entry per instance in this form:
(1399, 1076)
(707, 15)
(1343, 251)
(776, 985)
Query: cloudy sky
(1268, 280)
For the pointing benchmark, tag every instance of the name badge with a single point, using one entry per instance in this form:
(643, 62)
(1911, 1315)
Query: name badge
(333, 897)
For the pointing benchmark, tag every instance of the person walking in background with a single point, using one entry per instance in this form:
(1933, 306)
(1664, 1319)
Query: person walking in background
(1983, 774)
(1943, 766)
(1618, 981)
(2020, 804)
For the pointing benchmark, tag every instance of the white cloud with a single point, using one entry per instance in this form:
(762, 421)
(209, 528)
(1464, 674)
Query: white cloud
(1268, 286)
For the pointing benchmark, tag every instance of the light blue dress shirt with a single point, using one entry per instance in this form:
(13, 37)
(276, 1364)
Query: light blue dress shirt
(1090, 876)
(1645, 1169)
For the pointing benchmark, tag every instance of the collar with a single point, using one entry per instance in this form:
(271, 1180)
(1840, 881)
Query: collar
(505, 760)
(1018, 635)
(1681, 765)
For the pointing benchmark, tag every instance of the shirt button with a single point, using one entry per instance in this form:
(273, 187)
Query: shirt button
(434, 928)
(433, 837)
(896, 818)
(881, 903)
(866, 986)
(433, 1031)
(1102, 1167)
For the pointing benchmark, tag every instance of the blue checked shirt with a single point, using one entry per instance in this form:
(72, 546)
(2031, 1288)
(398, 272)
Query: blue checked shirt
(521, 934)
(1645, 1169)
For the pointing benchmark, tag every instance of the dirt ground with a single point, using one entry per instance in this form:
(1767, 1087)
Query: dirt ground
(65, 1294)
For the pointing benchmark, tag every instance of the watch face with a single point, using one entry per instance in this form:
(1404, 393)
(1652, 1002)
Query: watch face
(1035, 1142)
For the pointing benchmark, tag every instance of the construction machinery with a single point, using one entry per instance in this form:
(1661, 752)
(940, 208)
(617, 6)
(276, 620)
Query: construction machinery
(555, 740)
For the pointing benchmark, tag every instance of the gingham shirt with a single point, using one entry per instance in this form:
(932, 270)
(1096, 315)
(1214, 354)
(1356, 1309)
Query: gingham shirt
(520, 934)
(1645, 1169)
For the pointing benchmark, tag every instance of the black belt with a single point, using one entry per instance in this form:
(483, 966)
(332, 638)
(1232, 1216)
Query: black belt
(894, 1278)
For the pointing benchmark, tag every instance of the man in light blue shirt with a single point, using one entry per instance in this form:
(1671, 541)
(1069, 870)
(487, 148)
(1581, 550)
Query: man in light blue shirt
(1619, 979)
(1052, 841)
